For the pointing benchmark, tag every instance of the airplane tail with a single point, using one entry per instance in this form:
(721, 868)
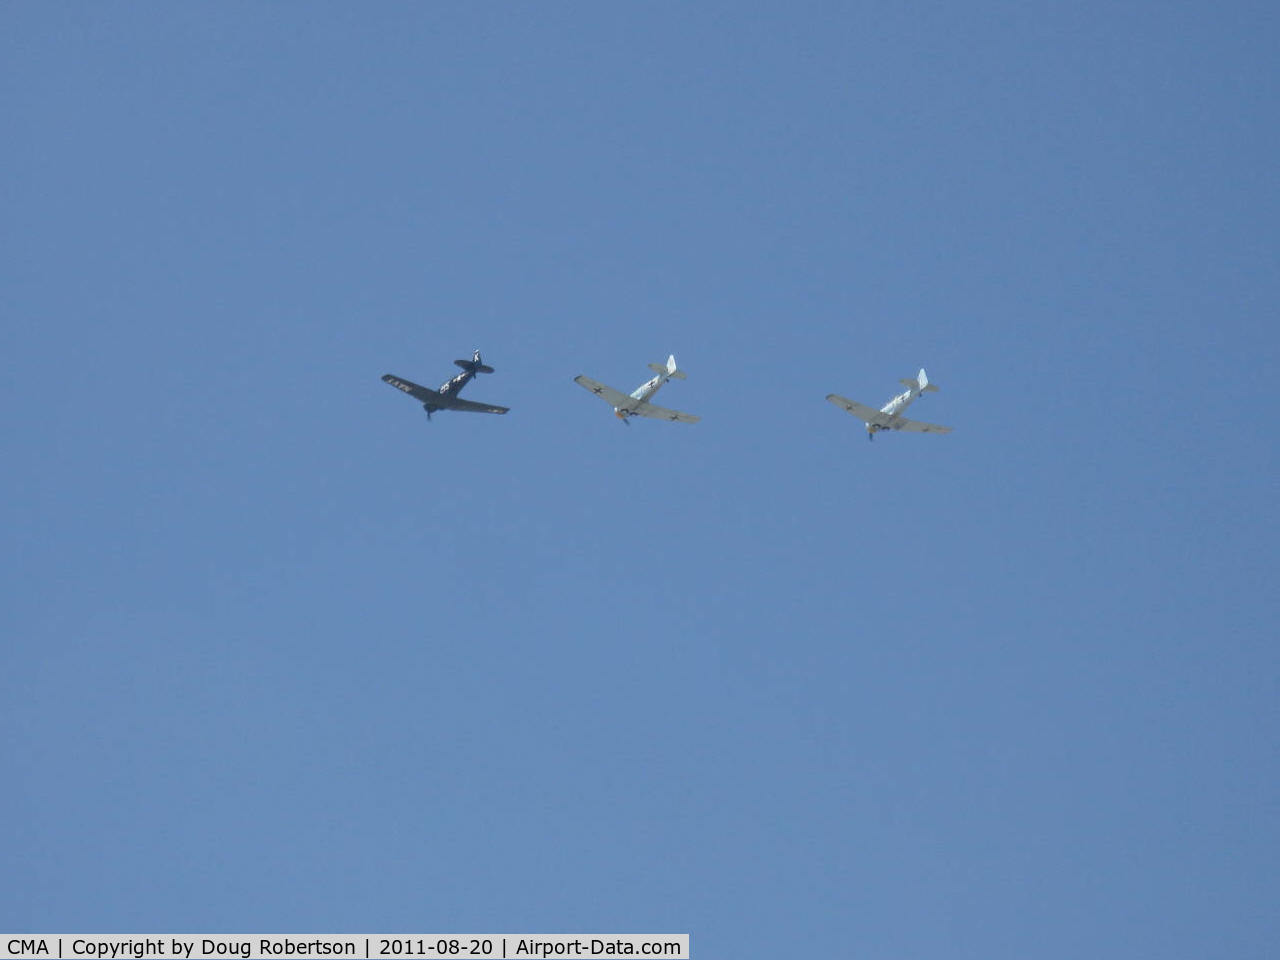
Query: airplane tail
(671, 370)
(474, 365)
(921, 382)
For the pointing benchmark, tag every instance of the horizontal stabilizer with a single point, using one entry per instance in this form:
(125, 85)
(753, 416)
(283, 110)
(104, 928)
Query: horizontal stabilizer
(921, 383)
(473, 367)
(915, 385)
(670, 369)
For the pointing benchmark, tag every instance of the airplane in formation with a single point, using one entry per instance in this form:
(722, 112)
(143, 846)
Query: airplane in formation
(446, 397)
(889, 417)
(636, 403)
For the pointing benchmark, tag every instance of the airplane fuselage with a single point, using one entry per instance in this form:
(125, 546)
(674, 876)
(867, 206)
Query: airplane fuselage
(898, 404)
(896, 407)
(643, 393)
(451, 387)
(448, 390)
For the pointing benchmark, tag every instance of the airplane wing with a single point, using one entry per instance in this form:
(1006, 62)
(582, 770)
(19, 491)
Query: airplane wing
(611, 396)
(662, 413)
(423, 394)
(470, 406)
(862, 411)
(916, 426)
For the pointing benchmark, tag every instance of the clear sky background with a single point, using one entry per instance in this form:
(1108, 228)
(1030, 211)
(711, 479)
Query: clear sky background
(282, 656)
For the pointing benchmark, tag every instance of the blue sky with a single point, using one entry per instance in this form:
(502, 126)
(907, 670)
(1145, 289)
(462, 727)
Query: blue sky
(281, 656)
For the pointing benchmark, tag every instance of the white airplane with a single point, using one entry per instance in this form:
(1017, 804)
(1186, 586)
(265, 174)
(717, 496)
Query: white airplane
(636, 404)
(889, 417)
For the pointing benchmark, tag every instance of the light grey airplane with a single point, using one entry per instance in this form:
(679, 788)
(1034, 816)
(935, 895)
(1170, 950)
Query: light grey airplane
(889, 417)
(636, 404)
(446, 397)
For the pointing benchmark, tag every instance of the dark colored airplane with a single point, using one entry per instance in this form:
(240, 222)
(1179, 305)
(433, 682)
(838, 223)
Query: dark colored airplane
(446, 398)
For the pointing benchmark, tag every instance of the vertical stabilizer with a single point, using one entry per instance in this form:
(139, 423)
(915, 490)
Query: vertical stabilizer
(670, 371)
